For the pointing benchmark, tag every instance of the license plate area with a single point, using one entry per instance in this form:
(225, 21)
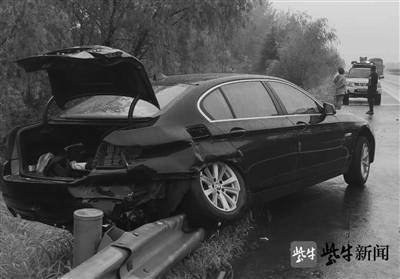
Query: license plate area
(361, 90)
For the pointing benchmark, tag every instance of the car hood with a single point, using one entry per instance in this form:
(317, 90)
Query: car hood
(92, 70)
(360, 80)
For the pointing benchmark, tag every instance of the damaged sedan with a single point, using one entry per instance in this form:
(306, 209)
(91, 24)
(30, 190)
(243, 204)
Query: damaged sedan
(205, 144)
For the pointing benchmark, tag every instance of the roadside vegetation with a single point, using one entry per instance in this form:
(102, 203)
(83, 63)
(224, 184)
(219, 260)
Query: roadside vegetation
(170, 37)
(32, 249)
(216, 253)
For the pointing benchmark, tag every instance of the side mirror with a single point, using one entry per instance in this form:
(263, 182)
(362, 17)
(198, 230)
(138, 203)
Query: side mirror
(329, 109)
(381, 77)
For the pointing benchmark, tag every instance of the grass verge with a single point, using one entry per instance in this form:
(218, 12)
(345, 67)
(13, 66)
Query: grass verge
(215, 254)
(32, 249)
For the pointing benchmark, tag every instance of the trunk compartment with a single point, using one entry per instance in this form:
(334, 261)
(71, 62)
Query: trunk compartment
(67, 149)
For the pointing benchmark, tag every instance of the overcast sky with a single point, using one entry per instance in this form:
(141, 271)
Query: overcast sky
(364, 28)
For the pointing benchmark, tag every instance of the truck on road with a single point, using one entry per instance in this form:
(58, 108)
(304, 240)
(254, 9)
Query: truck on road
(378, 62)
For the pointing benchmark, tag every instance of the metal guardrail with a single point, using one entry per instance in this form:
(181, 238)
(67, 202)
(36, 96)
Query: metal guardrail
(147, 252)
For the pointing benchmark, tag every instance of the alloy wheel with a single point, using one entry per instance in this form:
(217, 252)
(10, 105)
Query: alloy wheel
(364, 161)
(221, 186)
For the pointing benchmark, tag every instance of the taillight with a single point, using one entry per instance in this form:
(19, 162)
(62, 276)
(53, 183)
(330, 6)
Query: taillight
(112, 156)
(12, 153)
(14, 160)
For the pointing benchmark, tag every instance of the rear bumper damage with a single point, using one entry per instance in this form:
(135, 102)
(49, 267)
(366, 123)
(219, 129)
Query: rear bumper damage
(141, 187)
(129, 197)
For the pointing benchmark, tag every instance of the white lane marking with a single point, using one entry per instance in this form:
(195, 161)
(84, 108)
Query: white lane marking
(395, 94)
(389, 105)
(391, 82)
(391, 85)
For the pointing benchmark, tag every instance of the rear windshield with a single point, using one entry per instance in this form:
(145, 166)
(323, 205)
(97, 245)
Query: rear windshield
(359, 72)
(109, 106)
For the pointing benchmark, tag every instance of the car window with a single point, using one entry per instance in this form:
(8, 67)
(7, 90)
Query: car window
(359, 73)
(215, 106)
(249, 99)
(111, 106)
(295, 101)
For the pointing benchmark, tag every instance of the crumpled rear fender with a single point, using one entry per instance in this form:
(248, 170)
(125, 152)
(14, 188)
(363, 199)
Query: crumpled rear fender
(169, 163)
(170, 150)
(148, 136)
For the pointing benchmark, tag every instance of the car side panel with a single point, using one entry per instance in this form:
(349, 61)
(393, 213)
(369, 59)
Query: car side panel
(322, 146)
(353, 128)
(268, 149)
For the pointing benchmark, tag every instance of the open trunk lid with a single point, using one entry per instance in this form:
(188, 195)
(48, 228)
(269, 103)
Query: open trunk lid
(92, 70)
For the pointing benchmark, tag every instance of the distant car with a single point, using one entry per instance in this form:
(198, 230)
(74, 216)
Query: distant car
(206, 144)
(357, 83)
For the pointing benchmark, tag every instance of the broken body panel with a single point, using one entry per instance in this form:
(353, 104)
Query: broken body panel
(165, 156)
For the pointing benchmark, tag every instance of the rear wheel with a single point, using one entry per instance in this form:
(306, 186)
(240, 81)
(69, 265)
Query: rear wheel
(346, 99)
(219, 195)
(377, 100)
(358, 172)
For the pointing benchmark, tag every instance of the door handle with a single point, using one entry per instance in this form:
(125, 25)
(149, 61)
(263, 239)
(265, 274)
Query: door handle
(237, 132)
(303, 124)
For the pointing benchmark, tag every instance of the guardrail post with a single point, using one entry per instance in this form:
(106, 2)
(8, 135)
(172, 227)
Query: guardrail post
(147, 252)
(87, 233)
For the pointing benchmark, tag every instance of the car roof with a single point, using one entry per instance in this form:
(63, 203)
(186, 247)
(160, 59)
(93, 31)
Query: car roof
(198, 79)
(200, 84)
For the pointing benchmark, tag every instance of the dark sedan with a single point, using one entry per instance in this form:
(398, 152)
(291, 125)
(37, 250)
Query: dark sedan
(206, 144)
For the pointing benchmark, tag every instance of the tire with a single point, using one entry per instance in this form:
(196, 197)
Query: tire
(210, 202)
(359, 168)
(377, 100)
(346, 100)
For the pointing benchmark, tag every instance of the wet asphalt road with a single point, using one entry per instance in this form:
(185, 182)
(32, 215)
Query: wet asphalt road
(332, 212)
